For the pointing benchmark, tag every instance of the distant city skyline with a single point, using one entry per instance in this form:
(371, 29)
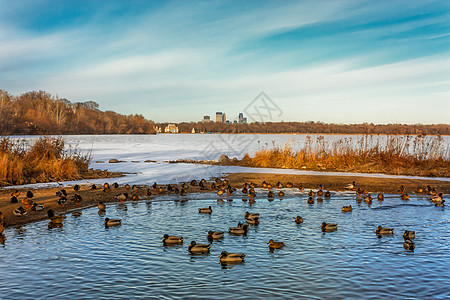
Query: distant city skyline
(330, 61)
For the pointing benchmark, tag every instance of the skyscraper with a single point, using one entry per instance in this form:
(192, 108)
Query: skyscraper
(219, 117)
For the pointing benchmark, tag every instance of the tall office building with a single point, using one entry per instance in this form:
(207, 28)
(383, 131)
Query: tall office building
(219, 117)
(206, 119)
(224, 118)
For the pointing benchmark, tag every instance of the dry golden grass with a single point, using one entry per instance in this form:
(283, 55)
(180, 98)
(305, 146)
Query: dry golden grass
(44, 161)
(402, 155)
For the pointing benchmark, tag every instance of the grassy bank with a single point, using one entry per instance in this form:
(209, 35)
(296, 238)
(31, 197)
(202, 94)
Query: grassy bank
(400, 155)
(46, 160)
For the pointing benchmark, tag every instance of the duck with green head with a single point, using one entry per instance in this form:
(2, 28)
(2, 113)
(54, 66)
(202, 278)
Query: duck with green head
(172, 239)
(195, 248)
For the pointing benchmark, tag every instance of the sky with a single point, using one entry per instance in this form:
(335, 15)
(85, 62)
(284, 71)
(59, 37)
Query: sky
(329, 61)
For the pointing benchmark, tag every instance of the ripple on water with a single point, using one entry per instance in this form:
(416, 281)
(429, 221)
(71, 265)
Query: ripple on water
(84, 259)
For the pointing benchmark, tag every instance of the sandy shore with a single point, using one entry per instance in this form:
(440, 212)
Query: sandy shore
(90, 198)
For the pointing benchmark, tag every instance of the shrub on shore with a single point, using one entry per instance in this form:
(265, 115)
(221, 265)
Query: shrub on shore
(44, 161)
(401, 155)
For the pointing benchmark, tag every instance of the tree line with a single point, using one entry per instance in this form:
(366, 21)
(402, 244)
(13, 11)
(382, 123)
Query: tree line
(312, 127)
(38, 112)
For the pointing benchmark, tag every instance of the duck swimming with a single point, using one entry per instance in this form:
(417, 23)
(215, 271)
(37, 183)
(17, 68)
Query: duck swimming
(239, 230)
(214, 235)
(112, 222)
(172, 240)
(275, 245)
(198, 248)
(347, 208)
(310, 200)
(270, 194)
(101, 206)
(384, 230)
(298, 220)
(226, 257)
(311, 193)
(380, 197)
(328, 227)
(57, 219)
(409, 235)
(327, 194)
(205, 210)
(436, 198)
(404, 196)
(409, 245)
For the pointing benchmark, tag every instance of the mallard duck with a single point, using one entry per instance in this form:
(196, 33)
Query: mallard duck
(220, 192)
(279, 185)
(215, 235)
(239, 230)
(404, 196)
(172, 240)
(251, 215)
(16, 194)
(402, 189)
(61, 193)
(115, 185)
(300, 188)
(441, 204)
(281, 193)
(319, 193)
(351, 186)
(122, 197)
(93, 187)
(101, 206)
(36, 207)
(252, 221)
(13, 199)
(50, 213)
(30, 194)
(275, 245)
(27, 202)
(298, 220)
(112, 222)
(270, 194)
(380, 197)
(57, 219)
(19, 212)
(311, 193)
(420, 190)
(310, 200)
(327, 194)
(76, 187)
(226, 257)
(328, 227)
(289, 185)
(347, 208)
(244, 191)
(61, 201)
(205, 210)
(252, 194)
(436, 198)
(77, 213)
(127, 186)
(409, 235)
(368, 199)
(384, 230)
(198, 248)
(409, 245)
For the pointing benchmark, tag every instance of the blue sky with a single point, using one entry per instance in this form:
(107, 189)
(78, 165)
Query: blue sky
(330, 61)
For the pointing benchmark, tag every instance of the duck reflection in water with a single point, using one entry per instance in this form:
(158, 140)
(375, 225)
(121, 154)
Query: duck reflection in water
(52, 225)
(2, 239)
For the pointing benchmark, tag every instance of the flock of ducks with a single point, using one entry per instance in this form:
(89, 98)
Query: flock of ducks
(223, 188)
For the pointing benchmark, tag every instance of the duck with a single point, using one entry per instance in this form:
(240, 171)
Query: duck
(127, 186)
(30, 194)
(402, 189)
(115, 185)
(244, 191)
(220, 192)
(420, 190)
(13, 199)
(101, 206)
(404, 196)
(298, 220)
(380, 197)
(93, 187)
(205, 210)
(327, 194)
(172, 240)
(50, 213)
(319, 193)
(409, 235)
(347, 208)
(310, 200)
(281, 193)
(122, 197)
(112, 222)
(440, 204)
(252, 221)
(409, 245)
(436, 198)
(198, 248)
(27, 202)
(36, 207)
(76, 198)
(57, 219)
(384, 230)
(311, 193)
(240, 230)
(16, 193)
(76, 187)
(368, 199)
(61, 201)
(300, 188)
(226, 257)
(289, 185)
(351, 186)
(214, 235)
(275, 245)
(252, 194)
(270, 194)
(328, 227)
(61, 192)
(249, 215)
(77, 213)
(19, 212)
(279, 185)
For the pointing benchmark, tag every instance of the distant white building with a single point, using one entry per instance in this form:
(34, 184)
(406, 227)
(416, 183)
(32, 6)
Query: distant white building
(171, 128)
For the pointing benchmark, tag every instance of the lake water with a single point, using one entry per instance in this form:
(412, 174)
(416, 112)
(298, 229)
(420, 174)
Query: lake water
(85, 260)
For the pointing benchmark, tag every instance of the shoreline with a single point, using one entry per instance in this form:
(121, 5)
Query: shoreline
(90, 198)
